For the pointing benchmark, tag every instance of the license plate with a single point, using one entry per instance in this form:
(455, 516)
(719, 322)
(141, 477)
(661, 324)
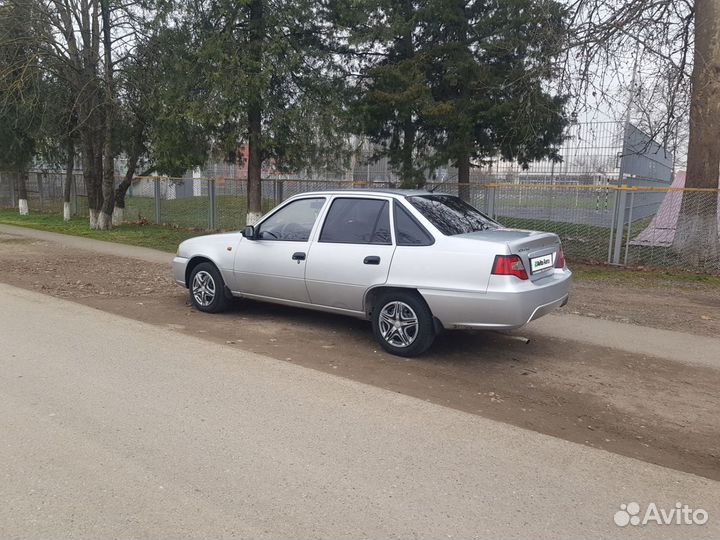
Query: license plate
(539, 264)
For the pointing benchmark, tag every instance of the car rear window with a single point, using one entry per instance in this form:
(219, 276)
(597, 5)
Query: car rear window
(409, 232)
(451, 215)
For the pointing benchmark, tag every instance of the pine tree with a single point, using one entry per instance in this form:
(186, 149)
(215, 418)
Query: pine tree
(264, 75)
(451, 81)
(488, 68)
(20, 106)
(386, 39)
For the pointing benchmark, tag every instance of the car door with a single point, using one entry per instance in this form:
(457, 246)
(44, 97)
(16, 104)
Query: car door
(353, 252)
(273, 263)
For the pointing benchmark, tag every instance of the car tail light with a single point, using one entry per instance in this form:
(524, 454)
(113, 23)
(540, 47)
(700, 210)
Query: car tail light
(509, 265)
(560, 259)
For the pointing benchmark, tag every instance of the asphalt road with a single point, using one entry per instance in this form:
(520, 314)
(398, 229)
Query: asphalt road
(111, 427)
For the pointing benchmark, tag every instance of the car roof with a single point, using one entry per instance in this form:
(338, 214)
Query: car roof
(367, 191)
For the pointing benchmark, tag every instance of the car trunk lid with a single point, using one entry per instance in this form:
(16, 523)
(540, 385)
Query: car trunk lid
(537, 250)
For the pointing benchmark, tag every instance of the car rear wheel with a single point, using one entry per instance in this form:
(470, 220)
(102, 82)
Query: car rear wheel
(403, 324)
(207, 289)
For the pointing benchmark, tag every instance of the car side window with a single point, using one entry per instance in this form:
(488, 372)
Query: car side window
(292, 223)
(408, 232)
(357, 221)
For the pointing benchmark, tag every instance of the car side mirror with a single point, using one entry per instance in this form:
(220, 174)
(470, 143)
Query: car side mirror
(249, 232)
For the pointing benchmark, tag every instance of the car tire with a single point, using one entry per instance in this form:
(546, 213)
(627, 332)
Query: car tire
(207, 289)
(403, 323)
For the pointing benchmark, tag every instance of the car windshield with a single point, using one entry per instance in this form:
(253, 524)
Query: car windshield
(451, 215)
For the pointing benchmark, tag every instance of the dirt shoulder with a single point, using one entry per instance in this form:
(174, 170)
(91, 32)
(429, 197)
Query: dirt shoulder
(645, 299)
(678, 301)
(649, 408)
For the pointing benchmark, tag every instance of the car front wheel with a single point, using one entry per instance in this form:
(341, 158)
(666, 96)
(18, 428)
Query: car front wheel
(402, 324)
(207, 289)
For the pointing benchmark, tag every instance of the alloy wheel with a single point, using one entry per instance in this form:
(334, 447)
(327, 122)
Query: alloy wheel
(398, 324)
(203, 288)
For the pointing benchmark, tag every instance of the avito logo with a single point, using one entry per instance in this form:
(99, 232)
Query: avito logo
(680, 514)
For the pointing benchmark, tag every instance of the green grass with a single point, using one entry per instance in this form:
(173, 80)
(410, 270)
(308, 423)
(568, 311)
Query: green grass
(585, 199)
(580, 242)
(163, 238)
(193, 211)
(182, 218)
(649, 277)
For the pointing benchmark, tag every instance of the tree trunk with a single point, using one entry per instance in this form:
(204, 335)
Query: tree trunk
(21, 184)
(406, 46)
(121, 190)
(255, 147)
(89, 175)
(98, 172)
(108, 178)
(408, 176)
(696, 236)
(107, 188)
(463, 165)
(92, 174)
(67, 186)
(254, 168)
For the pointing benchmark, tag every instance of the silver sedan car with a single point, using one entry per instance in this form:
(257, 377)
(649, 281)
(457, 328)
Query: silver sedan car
(412, 262)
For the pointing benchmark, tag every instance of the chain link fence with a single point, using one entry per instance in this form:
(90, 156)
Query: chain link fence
(44, 191)
(599, 222)
(624, 225)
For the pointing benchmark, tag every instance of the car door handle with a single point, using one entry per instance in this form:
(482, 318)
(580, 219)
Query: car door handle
(372, 259)
(298, 256)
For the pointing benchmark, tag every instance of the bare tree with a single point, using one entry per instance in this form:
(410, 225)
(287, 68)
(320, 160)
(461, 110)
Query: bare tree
(69, 177)
(71, 38)
(679, 46)
(108, 177)
(76, 43)
(697, 229)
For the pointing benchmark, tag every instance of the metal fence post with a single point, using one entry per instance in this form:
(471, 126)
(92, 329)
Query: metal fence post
(40, 181)
(490, 202)
(278, 191)
(156, 182)
(212, 207)
(612, 225)
(619, 225)
(627, 241)
(73, 196)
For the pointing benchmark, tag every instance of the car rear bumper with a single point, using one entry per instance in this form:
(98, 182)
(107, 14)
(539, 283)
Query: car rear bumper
(179, 266)
(508, 303)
